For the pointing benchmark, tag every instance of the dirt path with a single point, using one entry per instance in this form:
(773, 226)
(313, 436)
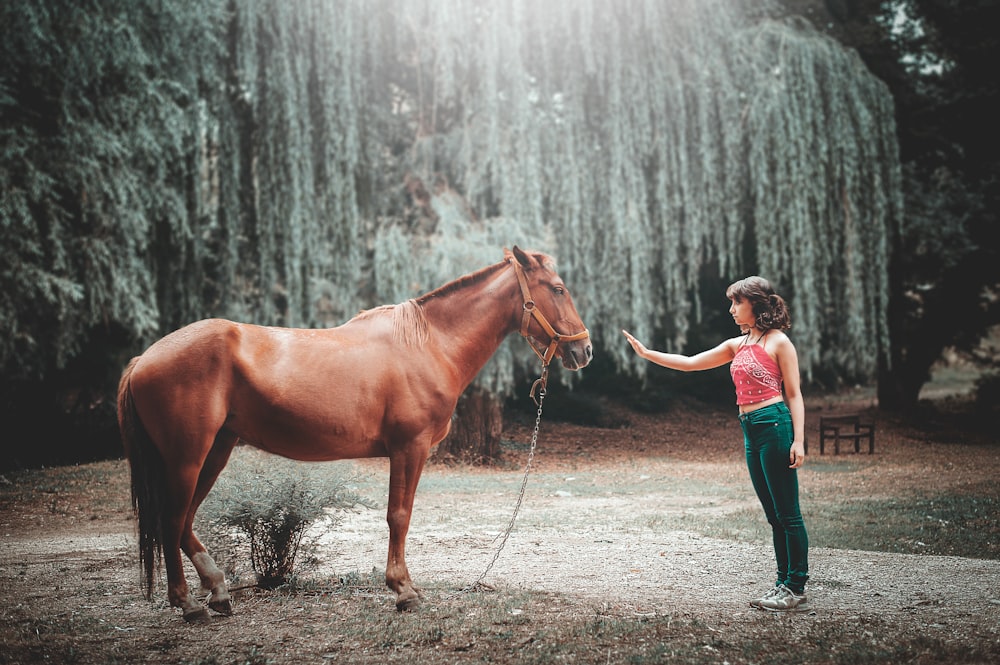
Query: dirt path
(598, 551)
(608, 547)
(595, 550)
(596, 536)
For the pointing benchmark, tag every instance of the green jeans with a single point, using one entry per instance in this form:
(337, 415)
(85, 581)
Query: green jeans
(767, 433)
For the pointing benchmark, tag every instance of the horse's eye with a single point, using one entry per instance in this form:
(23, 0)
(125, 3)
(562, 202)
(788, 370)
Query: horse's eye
(559, 290)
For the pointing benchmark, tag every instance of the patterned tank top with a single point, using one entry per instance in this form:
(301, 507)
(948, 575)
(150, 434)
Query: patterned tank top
(755, 375)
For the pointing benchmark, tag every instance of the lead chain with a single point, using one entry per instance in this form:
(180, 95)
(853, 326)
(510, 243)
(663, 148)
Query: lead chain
(520, 496)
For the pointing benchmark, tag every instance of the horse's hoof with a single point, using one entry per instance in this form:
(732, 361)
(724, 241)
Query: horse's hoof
(196, 615)
(408, 604)
(222, 606)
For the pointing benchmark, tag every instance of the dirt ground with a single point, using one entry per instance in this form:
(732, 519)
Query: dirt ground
(601, 533)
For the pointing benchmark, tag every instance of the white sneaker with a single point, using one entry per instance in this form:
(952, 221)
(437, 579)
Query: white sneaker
(771, 593)
(784, 600)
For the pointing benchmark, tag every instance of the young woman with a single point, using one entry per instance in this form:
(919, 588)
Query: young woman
(763, 360)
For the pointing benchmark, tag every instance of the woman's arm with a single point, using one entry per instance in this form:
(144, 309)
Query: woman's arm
(720, 355)
(788, 361)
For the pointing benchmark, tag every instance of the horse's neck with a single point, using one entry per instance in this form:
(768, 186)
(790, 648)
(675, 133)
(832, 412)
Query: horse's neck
(471, 319)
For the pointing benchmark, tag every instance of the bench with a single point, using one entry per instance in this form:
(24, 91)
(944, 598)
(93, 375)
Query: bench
(846, 428)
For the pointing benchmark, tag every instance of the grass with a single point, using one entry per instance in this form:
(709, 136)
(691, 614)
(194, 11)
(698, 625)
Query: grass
(952, 525)
(945, 525)
(84, 609)
(253, 656)
(496, 628)
(964, 525)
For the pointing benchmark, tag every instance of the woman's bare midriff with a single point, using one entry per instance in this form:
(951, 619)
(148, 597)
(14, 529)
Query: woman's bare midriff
(747, 408)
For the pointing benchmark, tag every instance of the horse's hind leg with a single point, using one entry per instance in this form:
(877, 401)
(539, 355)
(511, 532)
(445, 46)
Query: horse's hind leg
(213, 580)
(187, 468)
(181, 489)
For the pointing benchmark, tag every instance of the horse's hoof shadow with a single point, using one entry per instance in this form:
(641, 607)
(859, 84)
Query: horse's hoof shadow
(196, 616)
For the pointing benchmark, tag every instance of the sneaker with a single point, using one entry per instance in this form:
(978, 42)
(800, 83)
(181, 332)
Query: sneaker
(784, 600)
(771, 593)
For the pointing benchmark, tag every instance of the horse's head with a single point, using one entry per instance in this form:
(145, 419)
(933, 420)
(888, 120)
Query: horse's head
(549, 320)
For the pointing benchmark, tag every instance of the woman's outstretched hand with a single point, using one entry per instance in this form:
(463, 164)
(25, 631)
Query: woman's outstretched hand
(637, 346)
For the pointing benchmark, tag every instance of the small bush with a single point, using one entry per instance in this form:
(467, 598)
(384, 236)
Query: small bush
(269, 503)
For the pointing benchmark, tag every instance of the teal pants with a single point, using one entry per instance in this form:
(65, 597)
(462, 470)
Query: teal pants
(767, 433)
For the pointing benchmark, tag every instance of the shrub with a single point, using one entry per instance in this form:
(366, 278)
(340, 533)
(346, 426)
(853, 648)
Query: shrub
(269, 503)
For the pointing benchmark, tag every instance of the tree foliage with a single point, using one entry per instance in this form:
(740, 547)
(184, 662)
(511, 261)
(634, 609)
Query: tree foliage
(936, 57)
(98, 112)
(655, 156)
(167, 161)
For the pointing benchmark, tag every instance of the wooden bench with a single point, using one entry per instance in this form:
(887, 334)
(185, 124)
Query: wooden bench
(846, 428)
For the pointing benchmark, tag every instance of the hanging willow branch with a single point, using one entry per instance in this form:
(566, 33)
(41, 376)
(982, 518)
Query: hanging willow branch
(825, 188)
(248, 159)
(665, 141)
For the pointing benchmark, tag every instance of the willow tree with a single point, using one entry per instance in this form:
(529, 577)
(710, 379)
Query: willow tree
(293, 162)
(653, 140)
(167, 161)
(663, 141)
(97, 108)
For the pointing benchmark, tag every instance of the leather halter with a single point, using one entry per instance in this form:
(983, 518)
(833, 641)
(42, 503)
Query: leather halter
(531, 311)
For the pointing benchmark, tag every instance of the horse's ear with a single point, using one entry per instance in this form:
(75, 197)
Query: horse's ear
(521, 257)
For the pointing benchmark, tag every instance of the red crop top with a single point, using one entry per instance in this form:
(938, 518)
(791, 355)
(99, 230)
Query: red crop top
(755, 375)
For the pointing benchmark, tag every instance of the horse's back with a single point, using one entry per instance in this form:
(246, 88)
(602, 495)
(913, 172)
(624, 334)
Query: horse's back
(303, 393)
(204, 346)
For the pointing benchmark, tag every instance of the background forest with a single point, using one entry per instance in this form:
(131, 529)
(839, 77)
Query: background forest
(289, 163)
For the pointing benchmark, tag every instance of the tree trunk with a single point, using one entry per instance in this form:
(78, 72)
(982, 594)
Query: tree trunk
(475, 430)
(899, 389)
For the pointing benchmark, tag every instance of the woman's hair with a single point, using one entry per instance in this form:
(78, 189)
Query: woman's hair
(769, 308)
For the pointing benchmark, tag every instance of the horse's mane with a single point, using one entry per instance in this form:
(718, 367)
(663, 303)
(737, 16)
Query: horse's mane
(461, 282)
(472, 278)
(409, 325)
(409, 322)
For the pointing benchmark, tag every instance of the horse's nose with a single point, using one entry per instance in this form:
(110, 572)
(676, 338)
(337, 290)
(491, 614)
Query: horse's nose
(576, 356)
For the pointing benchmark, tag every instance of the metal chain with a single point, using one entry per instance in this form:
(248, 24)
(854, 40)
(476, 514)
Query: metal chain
(540, 385)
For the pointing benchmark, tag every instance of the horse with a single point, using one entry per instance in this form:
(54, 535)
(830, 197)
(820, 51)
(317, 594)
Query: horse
(383, 384)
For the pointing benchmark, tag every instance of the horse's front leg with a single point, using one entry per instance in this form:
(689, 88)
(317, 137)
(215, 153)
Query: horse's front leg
(405, 468)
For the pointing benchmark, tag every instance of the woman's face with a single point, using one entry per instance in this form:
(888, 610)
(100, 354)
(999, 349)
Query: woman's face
(742, 313)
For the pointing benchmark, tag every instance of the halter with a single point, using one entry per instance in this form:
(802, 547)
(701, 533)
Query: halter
(531, 311)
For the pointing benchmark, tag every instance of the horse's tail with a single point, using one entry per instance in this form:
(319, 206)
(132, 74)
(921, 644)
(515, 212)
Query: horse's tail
(148, 479)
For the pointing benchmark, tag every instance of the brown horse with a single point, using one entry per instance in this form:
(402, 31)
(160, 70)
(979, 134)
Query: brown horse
(384, 384)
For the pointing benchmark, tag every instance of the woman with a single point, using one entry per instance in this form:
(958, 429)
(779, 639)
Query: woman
(762, 360)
